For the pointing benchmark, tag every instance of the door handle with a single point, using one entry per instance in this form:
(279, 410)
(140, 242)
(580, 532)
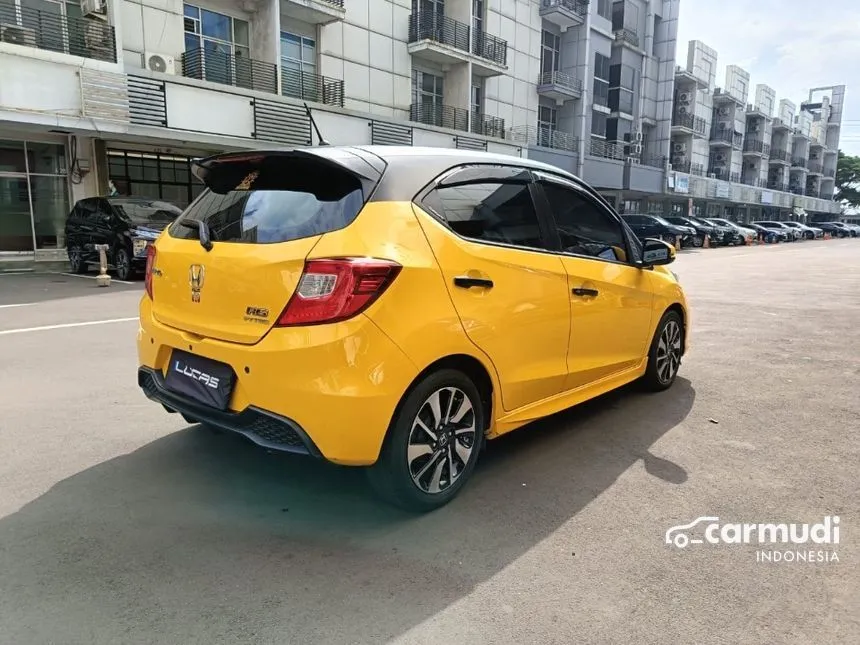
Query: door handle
(579, 291)
(466, 282)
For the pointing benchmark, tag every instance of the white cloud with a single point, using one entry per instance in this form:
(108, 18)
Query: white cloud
(789, 45)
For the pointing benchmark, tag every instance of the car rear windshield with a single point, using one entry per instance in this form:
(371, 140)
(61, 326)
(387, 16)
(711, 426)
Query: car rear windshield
(278, 200)
(146, 213)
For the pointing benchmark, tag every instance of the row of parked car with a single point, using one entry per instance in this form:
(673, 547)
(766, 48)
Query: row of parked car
(693, 231)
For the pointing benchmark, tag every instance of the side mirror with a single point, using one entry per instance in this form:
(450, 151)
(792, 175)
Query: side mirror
(656, 252)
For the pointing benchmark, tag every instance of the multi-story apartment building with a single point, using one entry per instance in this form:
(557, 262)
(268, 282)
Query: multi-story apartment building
(118, 95)
(741, 155)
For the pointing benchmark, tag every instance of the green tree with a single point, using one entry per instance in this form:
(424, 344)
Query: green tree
(848, 180)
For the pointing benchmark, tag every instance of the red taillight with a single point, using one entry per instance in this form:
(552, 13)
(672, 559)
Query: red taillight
(150, 264)
(336, 289)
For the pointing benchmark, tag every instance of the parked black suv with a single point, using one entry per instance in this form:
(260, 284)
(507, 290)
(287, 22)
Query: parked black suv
(645, 226)
(127, 224)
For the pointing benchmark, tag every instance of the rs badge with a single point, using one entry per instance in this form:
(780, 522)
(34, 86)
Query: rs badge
(195, 278)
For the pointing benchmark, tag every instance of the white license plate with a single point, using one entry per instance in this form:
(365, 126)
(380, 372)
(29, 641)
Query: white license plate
(140, 246)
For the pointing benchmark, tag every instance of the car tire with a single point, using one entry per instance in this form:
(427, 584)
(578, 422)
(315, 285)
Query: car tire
(76, 260)
(122, 264)
(414, 468)
(664, 355)
(698, 241)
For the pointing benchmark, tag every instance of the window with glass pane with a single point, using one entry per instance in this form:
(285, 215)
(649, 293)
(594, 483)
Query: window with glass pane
(16, 232)
(50, 207)
(598, 123)
(298, 67)
(12, 157)
(492, 212)
(604, 9)
(427, 95)
(46, 158)
(547, 124)
(622, 76)
(217, 47)
(478, 15)
(621, 101)
(551, 53)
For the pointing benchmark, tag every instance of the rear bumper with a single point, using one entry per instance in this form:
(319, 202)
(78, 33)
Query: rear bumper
(329, 390)
(264, 428)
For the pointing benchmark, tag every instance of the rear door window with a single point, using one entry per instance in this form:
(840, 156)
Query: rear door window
(277, 200)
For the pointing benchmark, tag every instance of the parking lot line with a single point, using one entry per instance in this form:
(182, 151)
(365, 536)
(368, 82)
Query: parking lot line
(25, 330)
(22, 304)
(93, 277)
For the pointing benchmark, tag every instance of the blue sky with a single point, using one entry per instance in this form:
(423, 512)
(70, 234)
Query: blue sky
(790, 45)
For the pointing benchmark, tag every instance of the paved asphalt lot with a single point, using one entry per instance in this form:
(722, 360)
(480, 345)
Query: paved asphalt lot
(120, 524)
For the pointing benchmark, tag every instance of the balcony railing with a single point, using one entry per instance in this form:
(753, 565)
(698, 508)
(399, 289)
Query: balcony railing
(778, 185)
(429, 25)
(727, 136)
(543, 136)
(579, 7)
(830, 172)
(756, 145)
(489, 126)
(227, 69)
(816, 167)
(336, 3)
(797, 190)
(689, 121)
(690, 168)
(311, 87)
(779, 154)
(798, 162)
(654, 161)
(51, 31)
(779, 124)
(754, 181)
(607, 149)
(442, 116)
(560, 79)
(626, 35)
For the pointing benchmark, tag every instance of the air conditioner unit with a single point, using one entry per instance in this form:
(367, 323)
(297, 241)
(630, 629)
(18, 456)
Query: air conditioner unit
(163, 63)
(639, 137)
(755, 128)
(94, 8)
(719, 170)
(722, 125)
(635, 149)
(718, 158)
(680, 148)
(18, 35)
(724, 111)
(679, 160)
(632, 160)
(685, 97)
(683, 110)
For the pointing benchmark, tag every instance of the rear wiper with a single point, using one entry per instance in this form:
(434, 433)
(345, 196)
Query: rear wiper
(202, 231)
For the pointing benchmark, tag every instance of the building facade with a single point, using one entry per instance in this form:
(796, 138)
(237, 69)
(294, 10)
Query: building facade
(737, 153)
(101, 96)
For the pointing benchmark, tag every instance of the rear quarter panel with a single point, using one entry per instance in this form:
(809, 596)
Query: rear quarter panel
(416, 311)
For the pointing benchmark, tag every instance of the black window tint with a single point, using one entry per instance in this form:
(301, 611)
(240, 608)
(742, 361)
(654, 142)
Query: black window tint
(144, 212)
(584, 228)
(275, 200)
(491, 212)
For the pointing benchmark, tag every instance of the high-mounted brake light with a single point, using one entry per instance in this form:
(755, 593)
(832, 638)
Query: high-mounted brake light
(150, 265)
(336, 289)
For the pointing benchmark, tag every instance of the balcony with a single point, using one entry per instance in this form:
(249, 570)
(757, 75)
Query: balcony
(755, 111)
(830, 172)
(690, 168)
(756, 147)
(775, 184)
(798, 162)
(543, 136)
(20, 25)
(726, 138)
(564, 13)
(606, 149)
(722, 173)
(445, 41)
(780, 125)
(815, 168)
(442, 116)
(489, 126)
(753, 181)
(311, 87)
(627, 36)
(722, 97)
(796, 190)
(227, 69)
(314, 12)
(559, 86)
(779, 156)
(690, 124)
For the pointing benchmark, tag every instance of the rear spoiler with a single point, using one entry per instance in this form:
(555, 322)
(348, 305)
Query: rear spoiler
(224, 172)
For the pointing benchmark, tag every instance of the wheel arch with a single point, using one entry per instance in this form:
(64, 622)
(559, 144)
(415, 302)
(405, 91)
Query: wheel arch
(468, 365)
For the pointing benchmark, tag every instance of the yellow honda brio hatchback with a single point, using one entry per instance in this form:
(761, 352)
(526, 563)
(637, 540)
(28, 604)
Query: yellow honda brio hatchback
(394, 307)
